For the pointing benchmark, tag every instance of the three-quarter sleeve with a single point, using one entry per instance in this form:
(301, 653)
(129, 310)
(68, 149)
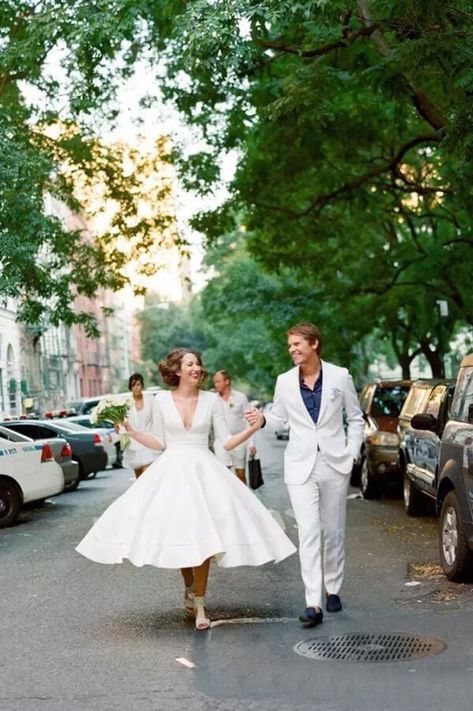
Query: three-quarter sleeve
(219, 425)
(157, 426)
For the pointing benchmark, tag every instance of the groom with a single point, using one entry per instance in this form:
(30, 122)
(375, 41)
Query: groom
(312, 399)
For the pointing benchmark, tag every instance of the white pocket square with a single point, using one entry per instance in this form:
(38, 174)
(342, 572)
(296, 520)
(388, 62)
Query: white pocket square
(335, 392)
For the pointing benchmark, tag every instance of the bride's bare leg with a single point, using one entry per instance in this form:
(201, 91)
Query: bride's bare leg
(188, 575)
(201, 574)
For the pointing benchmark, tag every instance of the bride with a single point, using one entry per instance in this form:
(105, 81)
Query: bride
(187, 508)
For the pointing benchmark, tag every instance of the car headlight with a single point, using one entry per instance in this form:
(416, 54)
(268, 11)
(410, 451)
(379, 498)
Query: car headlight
(384, 439)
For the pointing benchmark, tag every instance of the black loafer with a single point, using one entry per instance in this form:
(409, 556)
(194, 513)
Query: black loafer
(311, 617)
(333, 603)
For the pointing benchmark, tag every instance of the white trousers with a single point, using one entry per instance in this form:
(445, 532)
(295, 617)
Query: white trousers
(319, 505)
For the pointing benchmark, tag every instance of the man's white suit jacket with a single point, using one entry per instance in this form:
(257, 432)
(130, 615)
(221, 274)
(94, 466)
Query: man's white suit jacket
(339, 448)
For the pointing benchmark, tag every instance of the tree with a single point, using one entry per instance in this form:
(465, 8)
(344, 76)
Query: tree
(166, 325)
(49, 138)
(340, 111)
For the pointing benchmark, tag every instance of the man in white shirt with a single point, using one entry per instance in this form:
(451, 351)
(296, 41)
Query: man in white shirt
(235, 403)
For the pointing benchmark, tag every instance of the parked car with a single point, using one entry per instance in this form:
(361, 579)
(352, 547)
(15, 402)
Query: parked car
(28, 473)
(111, 439)
(419, 448)
(87, 446)
(378, 464)
(62, 453)
(83, 406)
(454, 501)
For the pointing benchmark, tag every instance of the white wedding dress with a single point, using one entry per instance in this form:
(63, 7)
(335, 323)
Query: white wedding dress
(187, 506)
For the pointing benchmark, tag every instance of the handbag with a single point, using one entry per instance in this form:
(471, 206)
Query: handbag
(255, 474)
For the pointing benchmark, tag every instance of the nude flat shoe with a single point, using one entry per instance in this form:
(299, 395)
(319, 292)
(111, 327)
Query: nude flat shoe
(202, 622)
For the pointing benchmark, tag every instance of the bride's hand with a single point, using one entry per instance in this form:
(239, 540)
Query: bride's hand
(254, 417)
(128, 428)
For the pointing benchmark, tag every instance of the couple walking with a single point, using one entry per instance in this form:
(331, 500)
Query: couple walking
(187, 508)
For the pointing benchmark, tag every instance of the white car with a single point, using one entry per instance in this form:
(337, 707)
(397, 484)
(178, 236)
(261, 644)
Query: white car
(28, 472)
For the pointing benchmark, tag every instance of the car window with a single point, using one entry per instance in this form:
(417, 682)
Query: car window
(435, 401)
(73, 405)
(450, 396)
(415, 401)
(45, 432)
(28, 430)
(89, 406)
(13, 436)
(365, 397)
(388, 401)
(463, 395)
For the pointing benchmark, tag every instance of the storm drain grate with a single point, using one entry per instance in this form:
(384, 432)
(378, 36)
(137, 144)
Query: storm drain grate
(370, 647)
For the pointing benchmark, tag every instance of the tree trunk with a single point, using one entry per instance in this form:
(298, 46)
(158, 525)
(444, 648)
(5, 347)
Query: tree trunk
(405, 363)
(435, 360)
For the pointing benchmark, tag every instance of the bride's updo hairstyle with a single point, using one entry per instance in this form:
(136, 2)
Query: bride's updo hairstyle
(169, 366)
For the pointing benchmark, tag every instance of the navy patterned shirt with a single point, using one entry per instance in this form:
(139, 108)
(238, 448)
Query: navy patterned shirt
(311, 397)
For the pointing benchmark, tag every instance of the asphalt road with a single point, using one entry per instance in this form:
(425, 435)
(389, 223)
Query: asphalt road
(77, 635)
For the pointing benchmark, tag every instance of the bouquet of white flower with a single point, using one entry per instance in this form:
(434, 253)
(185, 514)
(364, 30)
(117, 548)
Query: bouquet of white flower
(115, 409)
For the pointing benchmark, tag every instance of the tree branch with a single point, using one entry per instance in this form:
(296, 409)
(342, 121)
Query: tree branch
(423, 104)
(322, 200)
(347, 38)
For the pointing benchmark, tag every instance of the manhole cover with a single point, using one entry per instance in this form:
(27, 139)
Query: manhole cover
(370, 647)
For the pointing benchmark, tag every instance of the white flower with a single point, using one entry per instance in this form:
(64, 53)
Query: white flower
(120, 400)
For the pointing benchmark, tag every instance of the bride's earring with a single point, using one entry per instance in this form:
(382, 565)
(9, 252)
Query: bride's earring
(202, 622)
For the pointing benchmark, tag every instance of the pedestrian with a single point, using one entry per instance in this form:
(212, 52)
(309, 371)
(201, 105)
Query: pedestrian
(136, 456)
(235, 404)
(312, 399)
(187, 507)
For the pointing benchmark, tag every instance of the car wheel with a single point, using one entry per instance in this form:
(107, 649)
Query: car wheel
(355, 476)
(370, 488)
(73, 485)
(10, 503)
(81, 470)
(455, 556)
(413, 499)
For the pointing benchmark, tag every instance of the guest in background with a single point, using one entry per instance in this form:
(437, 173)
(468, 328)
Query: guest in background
(235, 403)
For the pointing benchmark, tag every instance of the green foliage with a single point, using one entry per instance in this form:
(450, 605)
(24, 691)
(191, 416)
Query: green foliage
(167, 325)
(353, 126)
(49, 139)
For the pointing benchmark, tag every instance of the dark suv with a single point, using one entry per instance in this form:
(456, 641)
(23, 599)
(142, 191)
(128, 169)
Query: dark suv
(381, 403)
(455, 485)
(419, 448)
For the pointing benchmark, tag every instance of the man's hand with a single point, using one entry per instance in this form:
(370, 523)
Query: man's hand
(252, 415)
(252, 450)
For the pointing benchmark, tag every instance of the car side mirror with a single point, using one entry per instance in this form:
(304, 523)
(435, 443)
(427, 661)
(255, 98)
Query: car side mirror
(470, 413)
(424, 422)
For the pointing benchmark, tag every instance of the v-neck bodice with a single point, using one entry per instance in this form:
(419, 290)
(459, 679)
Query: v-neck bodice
(187, 429)
(169, 428)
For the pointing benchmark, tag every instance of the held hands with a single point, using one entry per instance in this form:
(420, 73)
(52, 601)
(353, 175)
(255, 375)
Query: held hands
(254, 417)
